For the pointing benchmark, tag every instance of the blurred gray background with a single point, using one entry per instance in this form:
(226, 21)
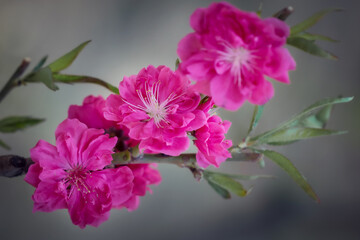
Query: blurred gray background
(129, 35)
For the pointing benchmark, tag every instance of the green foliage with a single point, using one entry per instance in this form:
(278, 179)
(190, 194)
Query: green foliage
(15, 123)
(290, 135)
(307, 124)
(310, 47)
(309, 22)
(305, 41)
(66, 60)
(220, 190)
(177, 62)
(258, 110)
(290, 169)
(223, 184)
(314, 37)
(4, 145)
(40, 64)
(44, 75)
(71, 79)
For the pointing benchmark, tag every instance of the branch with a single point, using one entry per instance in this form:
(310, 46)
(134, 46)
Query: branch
(284, 13)
(10, 83)
(12, 165)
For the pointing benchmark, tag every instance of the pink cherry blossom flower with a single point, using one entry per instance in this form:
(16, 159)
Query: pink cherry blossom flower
(91, 113)
(144, 175)
(158, 107)
(210, 139)
(230, 52)
(71, 174)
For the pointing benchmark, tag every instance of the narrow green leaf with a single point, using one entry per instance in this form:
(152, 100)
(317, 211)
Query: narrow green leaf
(15, 123)
(177, 62)
(44, 75)
(290, 169)
(258, 110)
(70, 79)
(260, 9)
(309, 22)
(306, 112)
(314, 37)
(317, 120)
(219, 190)
(66, 60)
(226, 183)
(241, 177)
(310, 47)
(290, 135)
(4, 145)
(40, 64)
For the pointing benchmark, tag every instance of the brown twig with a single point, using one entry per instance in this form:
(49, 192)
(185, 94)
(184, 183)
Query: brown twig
(12, 165)
(18, 72)
(284, 13)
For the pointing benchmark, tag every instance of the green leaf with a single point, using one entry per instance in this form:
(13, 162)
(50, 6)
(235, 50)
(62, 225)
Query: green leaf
(70, 79)
(316, 120)
(44, 75)
(300, 27)
(40, 64)
(225, 182)
(290, 169)
(4, 145)
(177, 62)
(305, 113)
(258, 110)
(310, 47)
(66, 60)
(241, 177)
(15, 123)
(260, 9)
(314, 37)
(289, 135)
(219, 190)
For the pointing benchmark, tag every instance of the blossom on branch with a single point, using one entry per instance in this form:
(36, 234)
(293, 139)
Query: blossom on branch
(210, 139)
(71, 174)
(91, 113)
(158, 106)
(230, 52)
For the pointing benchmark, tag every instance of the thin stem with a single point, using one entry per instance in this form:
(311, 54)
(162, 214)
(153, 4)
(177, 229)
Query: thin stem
(87, 79)
(10, 83)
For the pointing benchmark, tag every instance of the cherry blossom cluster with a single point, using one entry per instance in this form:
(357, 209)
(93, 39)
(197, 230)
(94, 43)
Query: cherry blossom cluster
(157, 110)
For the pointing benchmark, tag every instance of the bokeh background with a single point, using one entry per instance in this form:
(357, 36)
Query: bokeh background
(129, 35)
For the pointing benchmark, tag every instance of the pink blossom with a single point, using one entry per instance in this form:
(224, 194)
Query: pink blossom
(144, 176)
(91, 113)
(71, 174)
(158, 107)
(230, 52)
(210, 139)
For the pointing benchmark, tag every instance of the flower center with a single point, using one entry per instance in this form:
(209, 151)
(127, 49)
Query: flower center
(152, 106)
(233, 59)
(76, 179)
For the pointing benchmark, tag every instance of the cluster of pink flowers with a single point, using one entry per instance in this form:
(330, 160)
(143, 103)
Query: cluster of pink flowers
(156, 110)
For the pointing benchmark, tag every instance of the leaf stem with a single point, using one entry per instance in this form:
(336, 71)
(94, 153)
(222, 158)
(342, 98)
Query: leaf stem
(87, 79)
